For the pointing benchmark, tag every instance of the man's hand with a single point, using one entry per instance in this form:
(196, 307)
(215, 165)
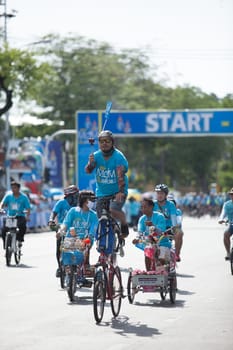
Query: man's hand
(149, 223)
(91, 164)
(91, 158)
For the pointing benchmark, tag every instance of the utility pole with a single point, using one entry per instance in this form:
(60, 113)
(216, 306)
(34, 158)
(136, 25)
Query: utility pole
(6, 16)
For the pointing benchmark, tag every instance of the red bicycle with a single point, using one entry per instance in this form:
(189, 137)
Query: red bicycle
(107, 279)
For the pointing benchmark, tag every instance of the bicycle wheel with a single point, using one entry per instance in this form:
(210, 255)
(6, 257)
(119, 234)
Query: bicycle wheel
(231, 261)
(173, 289)
(62, 276)
(99, 297)
(116, 291)
(71, 283)
(131, 291)
(17, 253)
(8, 249)
(163, 293)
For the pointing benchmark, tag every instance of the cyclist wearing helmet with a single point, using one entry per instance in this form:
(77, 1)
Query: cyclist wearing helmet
(59, 212)
(111, 167)
(168, 209)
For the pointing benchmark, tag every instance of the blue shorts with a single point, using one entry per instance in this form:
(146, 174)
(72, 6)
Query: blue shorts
(112, 204)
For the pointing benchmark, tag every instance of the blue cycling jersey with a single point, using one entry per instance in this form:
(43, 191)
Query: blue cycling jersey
(84, 222)
(16, 205)
(106, 173)
(61, 208)
(227, 211)
(169, 211)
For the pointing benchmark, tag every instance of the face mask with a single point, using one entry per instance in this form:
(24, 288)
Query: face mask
(90, 204)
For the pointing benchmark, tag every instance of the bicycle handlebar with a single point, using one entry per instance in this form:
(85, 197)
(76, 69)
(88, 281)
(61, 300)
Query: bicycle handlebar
(226, 222)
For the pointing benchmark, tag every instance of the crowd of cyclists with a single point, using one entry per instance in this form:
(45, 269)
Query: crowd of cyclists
(77, 214)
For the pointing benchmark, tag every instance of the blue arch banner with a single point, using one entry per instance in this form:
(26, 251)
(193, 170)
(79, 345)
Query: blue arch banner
(191, 123)
(172, 123)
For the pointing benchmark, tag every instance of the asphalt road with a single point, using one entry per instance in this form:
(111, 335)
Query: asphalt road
(36, 314)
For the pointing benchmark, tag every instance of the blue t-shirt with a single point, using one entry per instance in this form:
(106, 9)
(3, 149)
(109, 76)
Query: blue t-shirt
(84, 222)
(157, 219)
(106, 173)
(164, 241)
(179, 216)
(169, 212)
(159, 222)
(16, 205)
(61, 208)
(227, 211)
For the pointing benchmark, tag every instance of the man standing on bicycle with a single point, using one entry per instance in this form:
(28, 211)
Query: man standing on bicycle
(168, 209)
(59, 212)
(227, 215)
(111, 167)
(17, 204)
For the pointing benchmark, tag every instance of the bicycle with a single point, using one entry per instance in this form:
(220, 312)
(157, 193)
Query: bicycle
(160, 278)
(107, 279)
(230, 224)
(55, 227)
(73, 267)
(12, 245)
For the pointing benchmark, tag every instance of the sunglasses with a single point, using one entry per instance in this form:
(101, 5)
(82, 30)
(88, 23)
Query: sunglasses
(105, 141)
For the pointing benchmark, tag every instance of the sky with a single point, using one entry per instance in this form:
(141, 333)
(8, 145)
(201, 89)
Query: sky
(190, 40)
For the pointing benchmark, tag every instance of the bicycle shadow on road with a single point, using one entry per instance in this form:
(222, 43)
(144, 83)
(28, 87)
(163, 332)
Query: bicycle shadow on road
(123, 327)
(183, 275)
(161, 303)
(185, 292)
(82, 300)
(21, 266)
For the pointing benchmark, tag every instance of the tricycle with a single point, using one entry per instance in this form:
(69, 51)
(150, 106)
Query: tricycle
(158, 277)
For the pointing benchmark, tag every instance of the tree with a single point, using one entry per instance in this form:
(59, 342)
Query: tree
(19, 70)
(75, 73)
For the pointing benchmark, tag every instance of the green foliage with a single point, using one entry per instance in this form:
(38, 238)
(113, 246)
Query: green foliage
(64, 75)
(21, 70)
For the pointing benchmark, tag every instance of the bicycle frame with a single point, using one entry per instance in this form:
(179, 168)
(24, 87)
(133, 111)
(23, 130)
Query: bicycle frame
(11, 240)
(107, 280)
(105, 268)
(229, 226)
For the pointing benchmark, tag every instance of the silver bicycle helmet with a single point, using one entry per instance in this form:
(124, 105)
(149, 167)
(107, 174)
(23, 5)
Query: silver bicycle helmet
(106, 133)
(162, 187)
